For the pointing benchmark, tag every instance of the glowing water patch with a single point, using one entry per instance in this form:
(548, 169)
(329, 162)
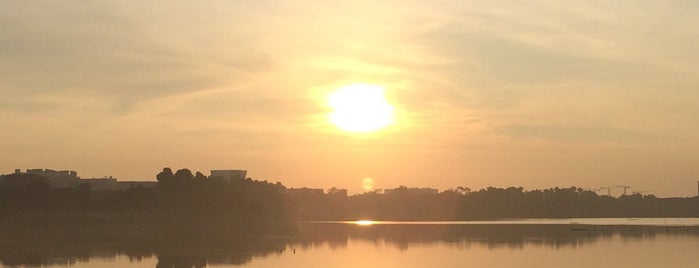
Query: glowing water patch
(364, 222)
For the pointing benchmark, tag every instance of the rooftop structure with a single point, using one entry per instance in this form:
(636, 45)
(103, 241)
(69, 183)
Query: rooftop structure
(58, 179)
(337, 192)
(70, 179)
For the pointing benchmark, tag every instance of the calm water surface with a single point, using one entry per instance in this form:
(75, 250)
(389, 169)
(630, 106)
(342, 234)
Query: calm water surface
(513, 243)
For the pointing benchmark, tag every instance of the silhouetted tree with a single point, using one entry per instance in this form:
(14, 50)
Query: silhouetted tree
(184, 176)
(200, 178)
(165, 177)
(463, 190)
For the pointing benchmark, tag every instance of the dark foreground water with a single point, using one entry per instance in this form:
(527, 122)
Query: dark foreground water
(522, 243)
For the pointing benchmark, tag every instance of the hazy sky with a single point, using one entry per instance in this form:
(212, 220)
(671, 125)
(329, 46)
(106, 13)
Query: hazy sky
(525, 93)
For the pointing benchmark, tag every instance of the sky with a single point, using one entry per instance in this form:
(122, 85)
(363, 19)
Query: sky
(535, 94)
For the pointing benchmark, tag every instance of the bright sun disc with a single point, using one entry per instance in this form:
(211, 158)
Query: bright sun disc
(368, 183)
(360, 108)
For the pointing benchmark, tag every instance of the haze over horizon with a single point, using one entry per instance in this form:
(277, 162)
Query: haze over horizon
(482, 93)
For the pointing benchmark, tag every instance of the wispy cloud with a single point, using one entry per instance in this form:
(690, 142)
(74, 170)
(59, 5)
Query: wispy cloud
(474, 82)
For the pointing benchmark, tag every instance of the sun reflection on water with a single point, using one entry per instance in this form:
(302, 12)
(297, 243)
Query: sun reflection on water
(364, 222)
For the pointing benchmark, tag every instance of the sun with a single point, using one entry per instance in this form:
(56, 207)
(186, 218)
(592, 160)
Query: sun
(360, 108)
(368, 183)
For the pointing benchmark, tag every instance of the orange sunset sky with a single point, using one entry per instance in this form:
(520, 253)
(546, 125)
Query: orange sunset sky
(461, 93)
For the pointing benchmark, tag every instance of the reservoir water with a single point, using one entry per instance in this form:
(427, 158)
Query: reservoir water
(658, 242)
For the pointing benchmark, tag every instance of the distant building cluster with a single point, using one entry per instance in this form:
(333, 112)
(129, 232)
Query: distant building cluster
(337, 192)
(58, 179)
(70, 179)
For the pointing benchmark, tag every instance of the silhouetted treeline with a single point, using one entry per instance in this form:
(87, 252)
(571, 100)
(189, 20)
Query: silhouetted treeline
(490, 203)
(185, 195)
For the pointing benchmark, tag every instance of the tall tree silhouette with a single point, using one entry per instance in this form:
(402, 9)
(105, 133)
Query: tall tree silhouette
(165, 177)
(184, 176)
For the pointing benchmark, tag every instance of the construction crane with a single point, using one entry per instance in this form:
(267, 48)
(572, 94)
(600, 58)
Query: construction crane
(626, 187)
(609, 190)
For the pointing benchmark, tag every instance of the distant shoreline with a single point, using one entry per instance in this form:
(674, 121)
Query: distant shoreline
(186, 196)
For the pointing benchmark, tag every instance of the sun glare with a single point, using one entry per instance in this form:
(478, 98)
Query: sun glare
(364, 222)
(360, 108)
(368, 183)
